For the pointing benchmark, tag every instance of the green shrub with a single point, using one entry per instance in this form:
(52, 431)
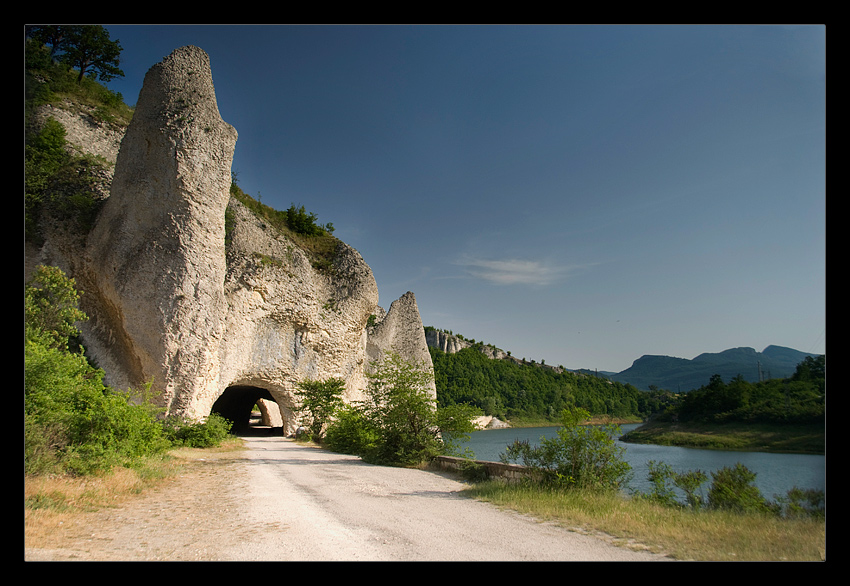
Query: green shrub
(401, 413)
(581, 456)
(320, 400)
(51, 311)
(661, 474)
(350, 433)
(732, 488)
(198, 434)
(73, 422)
(804, 503)
(659, 479)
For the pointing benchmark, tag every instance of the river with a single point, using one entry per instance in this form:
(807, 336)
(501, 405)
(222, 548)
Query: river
(776, 474)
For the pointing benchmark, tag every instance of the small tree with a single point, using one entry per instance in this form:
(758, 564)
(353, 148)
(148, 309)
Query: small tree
(582, 456)
(401, 418)
(320, 401)
(732, 488)
(660, 474)
(89, 49)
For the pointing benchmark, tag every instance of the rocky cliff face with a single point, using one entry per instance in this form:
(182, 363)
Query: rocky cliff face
(445, 341)
(450, 344)
(170, 302)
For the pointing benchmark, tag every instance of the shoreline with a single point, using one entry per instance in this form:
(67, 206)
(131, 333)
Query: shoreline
(734, 437)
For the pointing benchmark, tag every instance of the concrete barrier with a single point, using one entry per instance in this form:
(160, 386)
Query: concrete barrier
(492, 469)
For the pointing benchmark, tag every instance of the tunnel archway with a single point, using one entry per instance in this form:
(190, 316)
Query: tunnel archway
(236, 404)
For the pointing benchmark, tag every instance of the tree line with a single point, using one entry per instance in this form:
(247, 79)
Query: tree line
(508, 390)
(87, 48)
(800, 398)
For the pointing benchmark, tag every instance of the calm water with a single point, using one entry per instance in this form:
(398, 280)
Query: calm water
(776, 474)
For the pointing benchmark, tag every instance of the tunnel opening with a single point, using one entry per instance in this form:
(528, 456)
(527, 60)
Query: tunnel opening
(239, 405)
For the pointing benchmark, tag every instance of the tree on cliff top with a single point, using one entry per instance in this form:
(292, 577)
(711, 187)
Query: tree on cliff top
(86, 47)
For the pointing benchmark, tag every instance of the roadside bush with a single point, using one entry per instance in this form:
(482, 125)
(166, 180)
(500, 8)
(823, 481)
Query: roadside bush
(198, 434)
(403, 415)
(581, 456)
(73, 422)
(399, 422)
(732, 488)
(350, 433)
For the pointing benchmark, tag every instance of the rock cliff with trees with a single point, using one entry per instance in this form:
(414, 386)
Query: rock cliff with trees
(194, 290)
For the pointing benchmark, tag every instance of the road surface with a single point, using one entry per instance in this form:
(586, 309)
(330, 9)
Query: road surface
(283, 501)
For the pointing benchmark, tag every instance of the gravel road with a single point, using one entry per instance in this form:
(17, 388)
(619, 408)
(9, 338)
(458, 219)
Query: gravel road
(283, 501)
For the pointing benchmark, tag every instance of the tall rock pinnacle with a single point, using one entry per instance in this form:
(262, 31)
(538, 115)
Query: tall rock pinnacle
(158, 246)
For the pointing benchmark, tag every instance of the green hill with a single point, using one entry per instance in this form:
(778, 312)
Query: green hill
(513, 390)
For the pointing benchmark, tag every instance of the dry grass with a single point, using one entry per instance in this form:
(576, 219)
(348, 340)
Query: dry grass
(56, 501)
(679, 533)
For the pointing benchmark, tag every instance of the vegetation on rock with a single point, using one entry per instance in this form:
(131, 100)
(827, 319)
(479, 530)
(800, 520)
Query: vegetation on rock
(296, 223)
(73, 423)
(59, 180)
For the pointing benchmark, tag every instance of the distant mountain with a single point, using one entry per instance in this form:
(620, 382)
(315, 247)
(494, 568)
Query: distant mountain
(681, 374)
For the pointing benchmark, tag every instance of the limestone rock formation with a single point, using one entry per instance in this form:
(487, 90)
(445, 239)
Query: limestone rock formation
(451, 344)
(208, 324)
(444, 341)
(158, 246)
(401, 331)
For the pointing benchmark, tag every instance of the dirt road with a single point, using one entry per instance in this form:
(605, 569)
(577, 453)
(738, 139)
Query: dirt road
(279, 501)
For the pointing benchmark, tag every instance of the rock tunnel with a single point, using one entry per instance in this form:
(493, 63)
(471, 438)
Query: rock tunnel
(237, 403)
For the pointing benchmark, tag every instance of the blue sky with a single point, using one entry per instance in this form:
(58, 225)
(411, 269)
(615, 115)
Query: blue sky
(582, 195)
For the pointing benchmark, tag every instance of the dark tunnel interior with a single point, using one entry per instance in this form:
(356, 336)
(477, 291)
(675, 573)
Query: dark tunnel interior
(236, 404)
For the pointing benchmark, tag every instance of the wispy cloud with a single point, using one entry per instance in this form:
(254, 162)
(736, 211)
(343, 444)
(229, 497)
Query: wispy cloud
(513, 271)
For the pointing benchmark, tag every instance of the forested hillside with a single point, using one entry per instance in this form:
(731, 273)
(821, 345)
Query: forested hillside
(800, 398)
(509, 390)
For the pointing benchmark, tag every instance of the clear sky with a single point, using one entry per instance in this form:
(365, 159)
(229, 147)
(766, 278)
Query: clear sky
(582, 195)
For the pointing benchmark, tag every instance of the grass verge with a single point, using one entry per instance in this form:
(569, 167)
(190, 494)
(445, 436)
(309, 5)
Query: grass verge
(51, 501)
(682, 534)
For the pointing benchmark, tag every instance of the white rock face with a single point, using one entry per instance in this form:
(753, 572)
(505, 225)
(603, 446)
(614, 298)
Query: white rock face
(446, 342)
(158, 246)
(172, 305)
